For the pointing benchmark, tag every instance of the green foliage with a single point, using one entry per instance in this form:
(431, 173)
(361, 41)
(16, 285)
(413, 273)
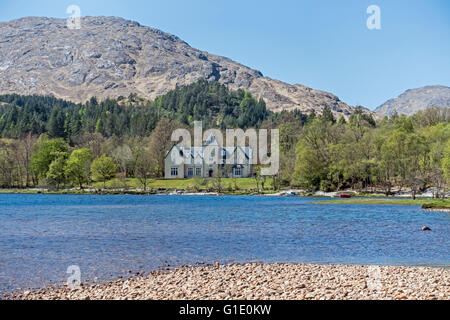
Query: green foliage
(214, 104)
(210, 102)
(133, 135)
(431, 117)
(404, 124)
(56, 170)
(103, 169)
(146, 166)
(327, 115)
(46, 152)
(78, 166)
(9, 175)
(196, 184)
(342, 121)
(446, 162)
(55, 125)
(360, 119)
(399, 152)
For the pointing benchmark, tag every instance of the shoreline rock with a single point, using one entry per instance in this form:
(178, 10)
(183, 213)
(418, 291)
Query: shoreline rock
(438, 210)
(256, 281)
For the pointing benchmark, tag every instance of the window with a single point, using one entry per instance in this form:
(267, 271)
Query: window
(198, 172)
(238, 172)
(190, 172)
(174, 172)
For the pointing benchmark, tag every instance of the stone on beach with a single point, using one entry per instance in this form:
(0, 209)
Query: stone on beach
(264, 281)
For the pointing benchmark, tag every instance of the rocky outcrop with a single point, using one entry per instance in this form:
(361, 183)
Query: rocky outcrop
(414, 100)
(111, 57)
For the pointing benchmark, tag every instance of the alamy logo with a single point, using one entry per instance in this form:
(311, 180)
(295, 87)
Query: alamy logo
(374, 278)
(374, 20)
(74, 280)
(74, 22)
(215, 152)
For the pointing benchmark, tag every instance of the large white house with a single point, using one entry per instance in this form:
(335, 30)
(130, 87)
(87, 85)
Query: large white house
(194, 163)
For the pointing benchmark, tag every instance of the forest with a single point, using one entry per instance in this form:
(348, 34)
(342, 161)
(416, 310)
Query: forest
(210, 102)
(396, 153)
(52, 143)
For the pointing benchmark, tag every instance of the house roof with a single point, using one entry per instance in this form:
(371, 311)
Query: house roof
(199, 152)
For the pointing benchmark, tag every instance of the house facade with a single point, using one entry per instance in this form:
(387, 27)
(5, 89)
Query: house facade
(203, 162)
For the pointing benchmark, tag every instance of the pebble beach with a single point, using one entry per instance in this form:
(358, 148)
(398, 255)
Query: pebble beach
(257, 281)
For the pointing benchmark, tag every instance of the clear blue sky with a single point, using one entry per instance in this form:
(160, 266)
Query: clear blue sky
(323, 44)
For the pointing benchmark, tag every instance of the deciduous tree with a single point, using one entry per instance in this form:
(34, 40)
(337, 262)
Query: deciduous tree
(103, 169)
(78, 166)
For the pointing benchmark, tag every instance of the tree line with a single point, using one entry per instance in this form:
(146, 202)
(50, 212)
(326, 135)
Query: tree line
(318, 152)
(397, 152)
(211, 102)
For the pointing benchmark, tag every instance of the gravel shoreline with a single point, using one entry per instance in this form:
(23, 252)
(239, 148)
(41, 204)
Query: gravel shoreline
(255, 281)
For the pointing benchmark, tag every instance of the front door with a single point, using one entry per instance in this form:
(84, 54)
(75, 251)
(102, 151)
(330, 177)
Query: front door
(211, 172)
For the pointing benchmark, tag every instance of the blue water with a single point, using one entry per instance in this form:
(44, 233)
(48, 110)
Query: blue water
(41, 235)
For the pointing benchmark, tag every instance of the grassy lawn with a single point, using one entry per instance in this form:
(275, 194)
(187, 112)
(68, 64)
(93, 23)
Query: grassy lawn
(129, 185)
(18, 191)
(202, 184)
(425, 203)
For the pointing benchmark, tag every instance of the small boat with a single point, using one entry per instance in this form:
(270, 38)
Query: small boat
(345, 196)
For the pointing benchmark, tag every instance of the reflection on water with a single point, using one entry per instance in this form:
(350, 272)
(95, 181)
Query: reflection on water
(41, 235)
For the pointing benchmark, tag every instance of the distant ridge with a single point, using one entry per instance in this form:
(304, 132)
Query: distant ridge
(414, 100)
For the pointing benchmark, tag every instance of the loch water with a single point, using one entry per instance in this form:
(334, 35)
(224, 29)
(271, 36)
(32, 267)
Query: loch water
(105, 235)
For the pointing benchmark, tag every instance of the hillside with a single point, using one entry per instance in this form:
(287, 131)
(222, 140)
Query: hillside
(112, 57)
(414, 100)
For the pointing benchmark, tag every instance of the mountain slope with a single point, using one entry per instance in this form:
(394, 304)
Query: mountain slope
(414, 100)
(111, 57)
